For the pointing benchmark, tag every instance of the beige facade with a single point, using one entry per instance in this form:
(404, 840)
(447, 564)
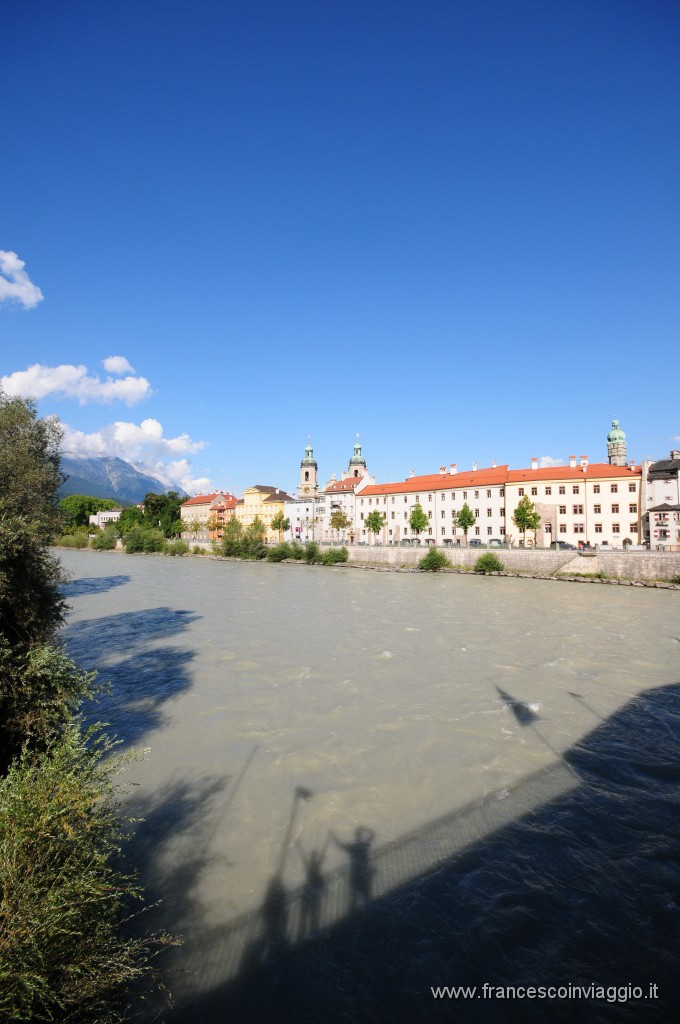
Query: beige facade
(264, 503)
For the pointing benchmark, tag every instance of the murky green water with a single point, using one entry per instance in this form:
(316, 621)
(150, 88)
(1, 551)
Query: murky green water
(285, 707)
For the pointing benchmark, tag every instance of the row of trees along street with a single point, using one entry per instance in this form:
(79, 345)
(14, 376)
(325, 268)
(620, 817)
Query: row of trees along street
(524, 517)
(65, 893)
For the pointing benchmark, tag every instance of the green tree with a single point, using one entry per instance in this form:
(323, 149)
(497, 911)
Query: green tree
(375, 521)
(253, 544)
(465, 519)
(418, 520)
(340, 521)
(129, 518)
(161, 512)
(232, 538)
(76, 509)
(525, 517)
(280, 523)
(433, 561)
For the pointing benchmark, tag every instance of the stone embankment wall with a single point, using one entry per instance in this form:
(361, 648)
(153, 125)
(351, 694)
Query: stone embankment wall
(635, 565)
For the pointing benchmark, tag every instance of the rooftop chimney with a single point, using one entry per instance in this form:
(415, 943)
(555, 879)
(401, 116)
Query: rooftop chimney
(474, 467)
(572, 462)
(675, 454)
(534, 462)
(442, 470)
(584, 462)
(493, 464)
(412, 473)
(632, 463)
(453, 468)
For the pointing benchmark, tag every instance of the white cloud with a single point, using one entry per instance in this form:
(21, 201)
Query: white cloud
(15, 284)
(145, 446)
(117, 365)
(547, 461)
(68, 381)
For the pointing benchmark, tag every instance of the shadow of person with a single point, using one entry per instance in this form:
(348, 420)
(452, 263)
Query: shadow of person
(360, 870)
(312, 890)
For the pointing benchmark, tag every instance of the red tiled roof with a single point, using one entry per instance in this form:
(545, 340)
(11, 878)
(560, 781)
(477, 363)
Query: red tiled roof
(594, 469)
(200, 499)
(345, 485)
(441, 481)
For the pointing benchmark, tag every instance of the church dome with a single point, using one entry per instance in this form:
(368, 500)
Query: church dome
(309, 459)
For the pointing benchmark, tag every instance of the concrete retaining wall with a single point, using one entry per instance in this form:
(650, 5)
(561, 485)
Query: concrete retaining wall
(649, 565)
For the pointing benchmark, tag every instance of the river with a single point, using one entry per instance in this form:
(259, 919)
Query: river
(358, 785)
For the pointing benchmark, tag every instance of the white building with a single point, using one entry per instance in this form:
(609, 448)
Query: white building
(661, 518)
(106, 516)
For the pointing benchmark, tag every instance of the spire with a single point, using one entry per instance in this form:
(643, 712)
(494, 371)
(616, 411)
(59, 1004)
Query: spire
(357, 464)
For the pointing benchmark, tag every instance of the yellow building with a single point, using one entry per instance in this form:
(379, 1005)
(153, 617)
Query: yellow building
(263, 503)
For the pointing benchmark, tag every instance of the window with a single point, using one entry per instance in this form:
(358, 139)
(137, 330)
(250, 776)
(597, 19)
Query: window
(489, 512)
(370, 501)
(503, 511)
(442, 496)
(521, 492)
(405, 498)
(476, 513)
(562, 490)
(430, 531)
(390, 533)
(476, 531)
(502, 492)
(429, 515)
(597, 509)
(362, 501)
(464, 495)
(502, 531)
(429, 497)
(405, 515)
(596, 488)
(393, 499)
(598, 527)
(579, 528)
(563, 527)
(417, 499)
(578, 510)
(632, 508)
(489, 531)
(633, 527)
(362, 515)
(392, 515)
(476, 494)
(443, 530)
(443, 514)
(575, 489)
(563, 510)
(616, 528)
(615, 488)
(615, 509)
(548, 490)
(631, 488)
(534, 492)
(488, 494)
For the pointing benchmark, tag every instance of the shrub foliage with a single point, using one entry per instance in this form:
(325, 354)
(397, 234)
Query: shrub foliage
(489, 563)
(434, 560)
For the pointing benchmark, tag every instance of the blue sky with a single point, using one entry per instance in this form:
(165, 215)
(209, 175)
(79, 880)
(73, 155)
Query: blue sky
(451, 227)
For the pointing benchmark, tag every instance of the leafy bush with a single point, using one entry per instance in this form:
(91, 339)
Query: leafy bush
(62, 903)
(434, 560)
(74, 540)
(312, 552)
(297, 551)
(105, 540)
(198, 550)
(489, 563)
(141, 539)
(278, 553)
(176, 547)
(334, 555)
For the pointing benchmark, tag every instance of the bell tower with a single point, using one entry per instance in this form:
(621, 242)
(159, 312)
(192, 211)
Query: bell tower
(357, 464)
(616, 445)
(309, 484)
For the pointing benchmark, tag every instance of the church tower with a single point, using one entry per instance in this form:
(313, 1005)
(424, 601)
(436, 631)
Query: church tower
(308, 485)
(357, 464)
(616, 445)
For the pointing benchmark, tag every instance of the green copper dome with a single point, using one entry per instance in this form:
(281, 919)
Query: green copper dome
(616, 435)
(357, 459)
(309, 459)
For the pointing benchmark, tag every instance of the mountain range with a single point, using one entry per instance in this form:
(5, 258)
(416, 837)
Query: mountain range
(108, 477)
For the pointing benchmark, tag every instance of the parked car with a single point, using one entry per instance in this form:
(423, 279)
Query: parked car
(474, 543)
(561, 545)
(495, 543)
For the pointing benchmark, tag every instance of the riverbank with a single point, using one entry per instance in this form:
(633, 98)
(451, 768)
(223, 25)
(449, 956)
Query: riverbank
(638, 569)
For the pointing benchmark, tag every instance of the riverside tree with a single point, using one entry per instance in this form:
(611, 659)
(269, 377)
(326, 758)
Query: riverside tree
(465, 519)
(418, 520)
(340, 521)
(76, 509)
(374, 523)
(280, 523)
(525, 517)
(63, 895)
